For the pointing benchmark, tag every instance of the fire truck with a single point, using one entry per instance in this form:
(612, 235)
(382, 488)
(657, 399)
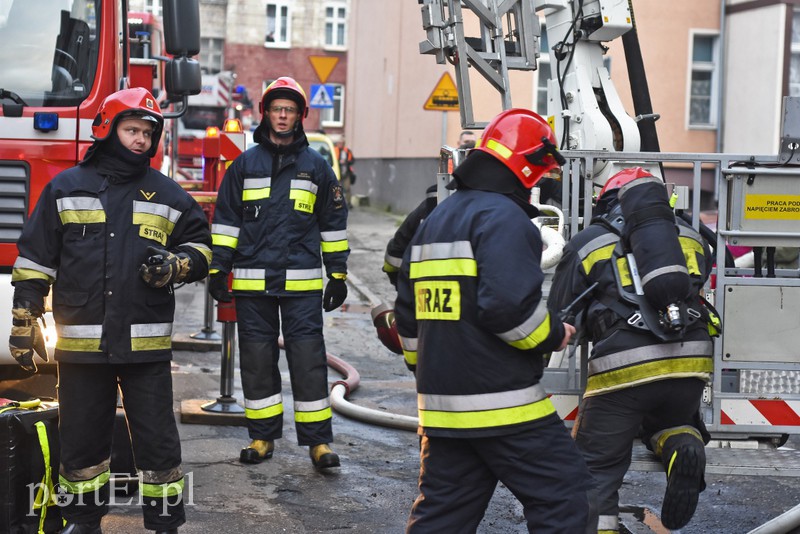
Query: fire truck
(754, 394)
(207, 109)
(60, 59)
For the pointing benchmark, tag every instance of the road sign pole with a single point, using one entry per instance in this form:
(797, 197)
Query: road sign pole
(444, 128)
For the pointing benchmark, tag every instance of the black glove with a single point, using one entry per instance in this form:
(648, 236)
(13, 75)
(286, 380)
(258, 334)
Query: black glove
(335, 293)
(26, 339)
(392, 277)
(218, 287)
(164, 267)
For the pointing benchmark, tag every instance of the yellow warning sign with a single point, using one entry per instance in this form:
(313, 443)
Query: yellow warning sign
(323, 66)
(772, 207)
(444, 96)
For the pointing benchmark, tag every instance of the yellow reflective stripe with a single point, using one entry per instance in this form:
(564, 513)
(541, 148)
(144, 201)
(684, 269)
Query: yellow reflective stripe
(438, 268)
(668, 368)
(29, 274)
(255, 194)
(603, 253)
(389, 268)
(82, 217)
(303, 200)
(85, 486)
(339, 276)
(313, 417)
(659, 438)
(487, 418)
(691, 249)
(502, 150)
(410, 356)
(624, 272)
(46, 493)
(248, 285)
(304, 285)
(151, 343)
(263, 413)
(156, 221)
(78, 345)
(170, 489)
(533, 339)
(335, 246)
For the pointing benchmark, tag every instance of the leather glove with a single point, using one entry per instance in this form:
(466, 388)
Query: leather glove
(335, 293)
(218, 287)
(164, 267)
(26, 339)
(392, 277)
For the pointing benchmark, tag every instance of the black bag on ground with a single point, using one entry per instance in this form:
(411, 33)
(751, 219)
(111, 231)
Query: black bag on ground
(29, 454)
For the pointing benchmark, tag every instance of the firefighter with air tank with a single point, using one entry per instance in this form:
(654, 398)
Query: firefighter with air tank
(652, 347)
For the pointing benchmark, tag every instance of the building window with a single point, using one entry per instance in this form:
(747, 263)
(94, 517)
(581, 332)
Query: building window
(334, 117)
(153, 6)
(794, 63)
(211, 54)
(703, 85)
(278, 24)
(335, 25)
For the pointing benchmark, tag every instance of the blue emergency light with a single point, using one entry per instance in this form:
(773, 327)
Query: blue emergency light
(45, 122)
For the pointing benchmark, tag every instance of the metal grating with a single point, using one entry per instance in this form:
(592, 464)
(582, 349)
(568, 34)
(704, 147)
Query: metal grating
(14, 183)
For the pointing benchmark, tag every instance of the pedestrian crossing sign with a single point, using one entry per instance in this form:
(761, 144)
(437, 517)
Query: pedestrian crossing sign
(321, 96)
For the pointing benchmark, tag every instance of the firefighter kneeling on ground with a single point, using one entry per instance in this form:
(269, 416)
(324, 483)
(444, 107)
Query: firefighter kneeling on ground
(650, 361)
(112, 235)
(474, 325)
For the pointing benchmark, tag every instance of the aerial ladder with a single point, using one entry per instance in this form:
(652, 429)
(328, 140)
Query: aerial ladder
(754, 395)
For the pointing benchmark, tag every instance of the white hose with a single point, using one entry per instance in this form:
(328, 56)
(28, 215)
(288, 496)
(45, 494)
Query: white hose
(785, 522)
(368, 415)
(553, 243)
(745, 260)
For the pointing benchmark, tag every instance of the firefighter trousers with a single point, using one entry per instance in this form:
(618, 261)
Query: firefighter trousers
(608, 424)
(87, 395)
(259, 324)
(541, 466)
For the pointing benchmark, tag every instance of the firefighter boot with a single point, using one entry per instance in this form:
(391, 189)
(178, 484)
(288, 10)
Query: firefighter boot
(684, 459)
(258, 451)
(82, 528)
(323, 457)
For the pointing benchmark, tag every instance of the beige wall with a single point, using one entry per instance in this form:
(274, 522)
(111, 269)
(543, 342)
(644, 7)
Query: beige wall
(390, 80)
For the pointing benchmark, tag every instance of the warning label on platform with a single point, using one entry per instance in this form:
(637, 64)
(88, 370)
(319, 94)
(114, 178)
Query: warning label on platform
(772, 207)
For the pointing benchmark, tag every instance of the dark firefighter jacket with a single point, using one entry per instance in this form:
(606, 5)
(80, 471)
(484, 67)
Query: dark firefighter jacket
(472, 319)
(277, 209)
(399, 242)
(623, 355)
(88, 237)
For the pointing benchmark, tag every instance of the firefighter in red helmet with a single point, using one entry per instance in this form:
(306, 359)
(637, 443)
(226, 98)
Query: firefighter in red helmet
(475, 333)
(111, 236)
(646, 372)
(280, 216)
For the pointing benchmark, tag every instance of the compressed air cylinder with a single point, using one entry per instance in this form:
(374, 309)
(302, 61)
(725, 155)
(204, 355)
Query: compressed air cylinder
(652, 235)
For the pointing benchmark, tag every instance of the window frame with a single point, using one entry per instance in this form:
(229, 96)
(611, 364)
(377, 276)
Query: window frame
(205, 54)
(336, 22)
(279, 5)
(712, 67)
(334, 117)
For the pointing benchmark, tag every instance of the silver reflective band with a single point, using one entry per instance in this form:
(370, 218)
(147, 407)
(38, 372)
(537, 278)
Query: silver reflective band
(151, 330)
(312, 406)
(481, 401)
(79, 203)
(224, 229)
(649, 353)
(257, 183)
(305, 185)
(303, 274)
(338, 235)
(528, 327)
(266, 402)
(25, 263)
(80, 331)
(597, 243)
(162, 210)
(442, 251)
(249, 274)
